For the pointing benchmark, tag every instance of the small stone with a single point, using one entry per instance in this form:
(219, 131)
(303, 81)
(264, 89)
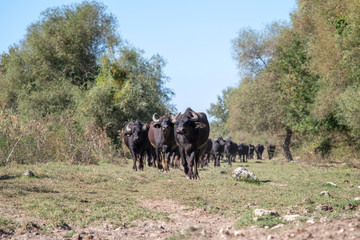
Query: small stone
(325, 193)
(77, 237)
(291, 218)
(311, 221)
(307, 200)
(349, 207)
(357, 199)
(325, 207)
(263, 212)
(341, 230)
(29, 173)
(243, 173)
(332, 184)
(269, 237)
(239, 233)
(280, 225)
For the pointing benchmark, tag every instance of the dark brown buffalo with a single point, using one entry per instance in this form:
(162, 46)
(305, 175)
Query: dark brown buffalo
(175, 158)
(218, 150)
(206, 153)
(230, 150)
(259, 149)
(271, 150)
(161, 137)
(135, 139)
(243, 151)
(149, 150)
(251, 151)
(191, 133)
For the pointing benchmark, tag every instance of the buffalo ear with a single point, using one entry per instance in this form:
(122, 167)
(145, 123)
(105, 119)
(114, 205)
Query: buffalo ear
(200, 125)
(157, 125)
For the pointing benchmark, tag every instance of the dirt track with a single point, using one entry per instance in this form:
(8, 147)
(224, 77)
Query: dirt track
(198, 224)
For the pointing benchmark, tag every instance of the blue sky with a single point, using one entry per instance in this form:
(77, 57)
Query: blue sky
(193, 36)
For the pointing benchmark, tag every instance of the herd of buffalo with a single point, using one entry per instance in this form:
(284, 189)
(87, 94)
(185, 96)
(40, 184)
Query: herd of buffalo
(183, 136)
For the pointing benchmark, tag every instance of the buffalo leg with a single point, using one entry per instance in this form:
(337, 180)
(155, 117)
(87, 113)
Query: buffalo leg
(134, 159)
(184, 162)
(196, 174)
(149, 158)
(191, 162)
(158, 160)
(141, 163)
(229, 160)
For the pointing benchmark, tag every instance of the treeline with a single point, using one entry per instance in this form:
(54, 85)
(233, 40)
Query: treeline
(71, 80)
(300, 84)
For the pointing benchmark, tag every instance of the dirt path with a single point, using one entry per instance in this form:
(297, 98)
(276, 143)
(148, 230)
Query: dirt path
(198, 224)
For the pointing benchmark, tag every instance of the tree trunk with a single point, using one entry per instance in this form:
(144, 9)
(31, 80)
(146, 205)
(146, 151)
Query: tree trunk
(286, 145)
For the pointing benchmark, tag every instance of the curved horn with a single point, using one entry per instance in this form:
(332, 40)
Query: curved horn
(154, 118)
(173, 118)
(194, 117)
(127, 128)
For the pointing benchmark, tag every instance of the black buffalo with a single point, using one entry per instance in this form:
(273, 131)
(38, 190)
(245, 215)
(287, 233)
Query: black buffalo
(175, 158)
(243, 151)
(135, 139)
(150, 150)
(161, 137)
(206, 153)
(230, 150)
(218, 150)
(271, 150)
(191, 133)
(259, 149)
(251, 151)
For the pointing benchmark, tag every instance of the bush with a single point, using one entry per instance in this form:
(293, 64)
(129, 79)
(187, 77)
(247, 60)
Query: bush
(52, 139)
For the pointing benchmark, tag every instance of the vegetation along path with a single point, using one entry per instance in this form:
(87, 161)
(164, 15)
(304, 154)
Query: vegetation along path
(110, 201)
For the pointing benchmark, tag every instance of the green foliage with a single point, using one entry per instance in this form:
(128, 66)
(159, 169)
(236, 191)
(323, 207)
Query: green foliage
(52, 139)
(58, 57)
(220, 111)
(349, 109)
(296, 85)
(71, 68)
(254, 107)
(303, 77)
(253, 49)
(127, 88)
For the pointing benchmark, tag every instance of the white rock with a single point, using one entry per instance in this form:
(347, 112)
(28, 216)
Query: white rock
(280, 225)
(357, 199)
(29, 173)
(263, 212)
(332, 184)
(243, 173)
(325, 193)
(311, 221)
(291, 218)
(239, 233)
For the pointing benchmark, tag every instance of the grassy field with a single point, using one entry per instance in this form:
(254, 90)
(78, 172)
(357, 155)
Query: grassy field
(61, 195)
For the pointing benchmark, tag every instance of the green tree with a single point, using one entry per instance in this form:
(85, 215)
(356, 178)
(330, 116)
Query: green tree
(253, 49)
(58, 56)
(220, 111)
(128, 87)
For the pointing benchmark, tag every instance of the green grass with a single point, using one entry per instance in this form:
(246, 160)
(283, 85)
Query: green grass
(109, 193)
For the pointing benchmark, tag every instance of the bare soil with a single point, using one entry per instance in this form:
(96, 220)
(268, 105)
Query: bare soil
(184, 222)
